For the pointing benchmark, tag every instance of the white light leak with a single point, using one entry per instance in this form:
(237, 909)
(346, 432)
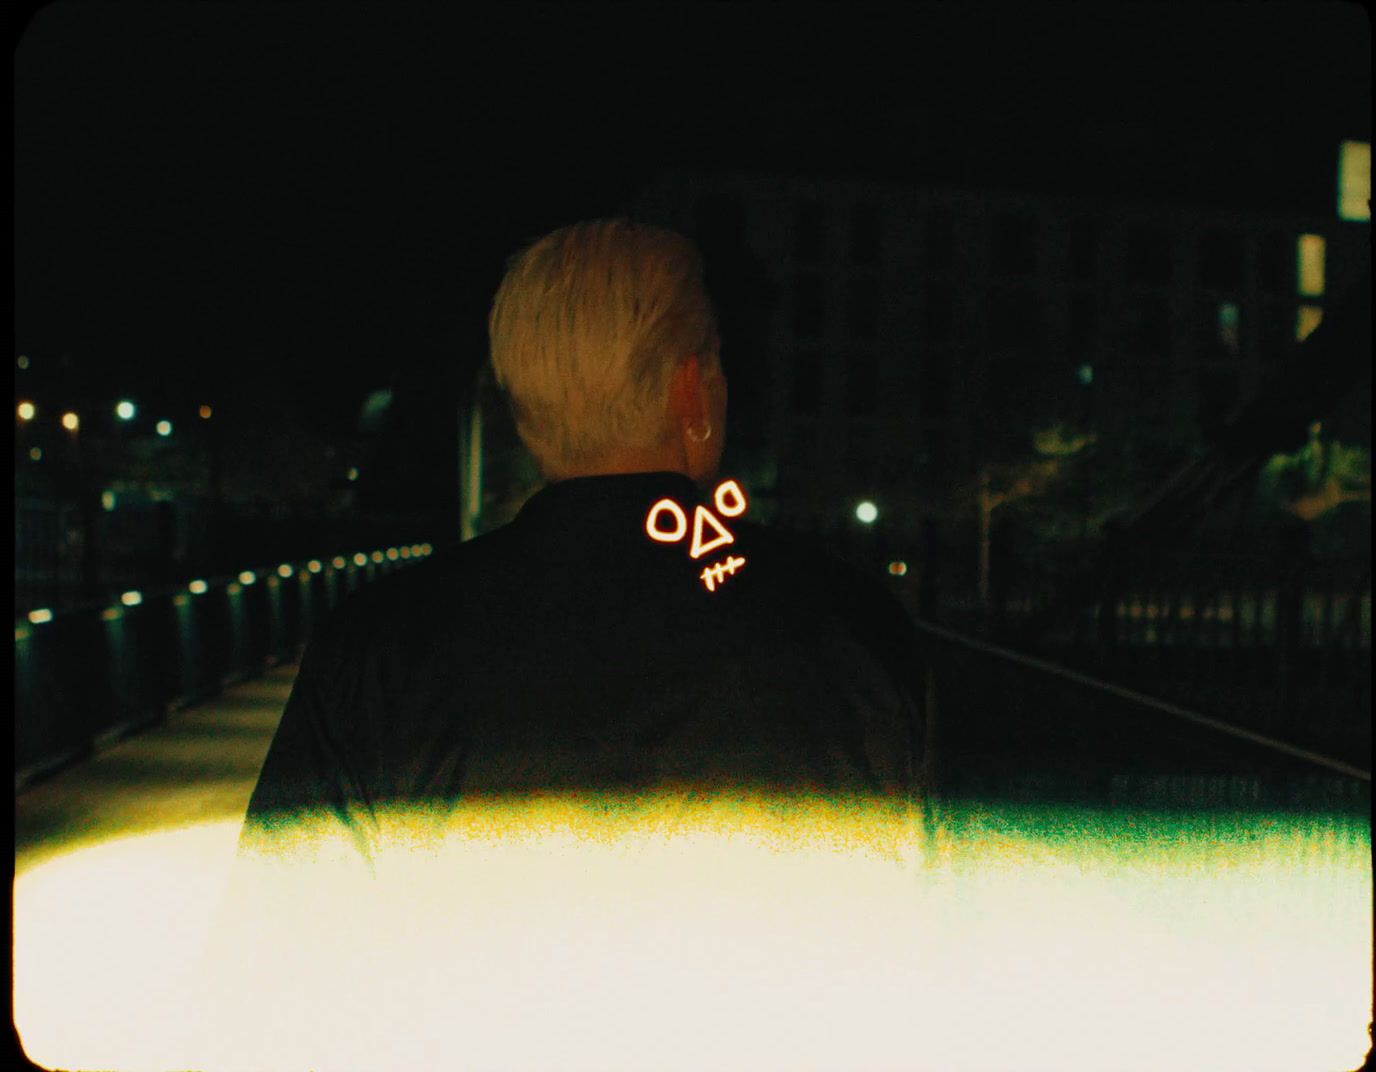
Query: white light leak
(754, 934)
(867, 512)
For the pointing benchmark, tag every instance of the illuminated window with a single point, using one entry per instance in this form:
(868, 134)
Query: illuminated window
(1311, 258)
(1222, 332)
(1354, 180)
(1307, 319)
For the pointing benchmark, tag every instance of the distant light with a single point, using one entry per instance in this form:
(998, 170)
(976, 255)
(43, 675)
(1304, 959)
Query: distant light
(1085, 373)
(108, 500)
(353, 473)
(378, 556)
(1310, 251)
(314, 565)
(284, 570)
(71, 422)
(111, 614)
(405, 552)
(234, 588)
(36, 454)
(125, 411)
(40, 616)
(23, 362)
(164, 428)
(1354, 180)
(425, 549)
(27, 412)
(340, 562)
(898, 569)
(867, 512)
(360, 559)
(392, 554)
(205, 412)
(198, 588)
(131, 599)
(247, 577)
(1307, 318)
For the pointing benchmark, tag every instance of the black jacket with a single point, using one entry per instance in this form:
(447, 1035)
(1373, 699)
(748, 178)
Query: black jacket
(568, 649)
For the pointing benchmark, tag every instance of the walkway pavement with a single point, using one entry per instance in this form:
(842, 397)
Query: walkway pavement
(199, 766)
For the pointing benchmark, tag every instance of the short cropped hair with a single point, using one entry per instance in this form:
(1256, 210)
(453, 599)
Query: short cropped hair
(586, 330)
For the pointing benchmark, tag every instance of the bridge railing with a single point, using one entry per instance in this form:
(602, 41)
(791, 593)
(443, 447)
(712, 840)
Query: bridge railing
(90, 675)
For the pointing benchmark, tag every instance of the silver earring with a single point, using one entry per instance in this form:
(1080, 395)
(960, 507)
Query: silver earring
(706, 435)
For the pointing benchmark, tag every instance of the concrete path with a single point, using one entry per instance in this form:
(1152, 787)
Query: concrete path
(199, 766)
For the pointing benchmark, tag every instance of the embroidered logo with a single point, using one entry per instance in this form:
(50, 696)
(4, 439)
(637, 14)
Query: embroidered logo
(667, 523)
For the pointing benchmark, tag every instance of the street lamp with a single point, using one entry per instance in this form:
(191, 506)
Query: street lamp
(867, 512)
(164, 428)
(27, 411)
(126, 410)
(71, 421)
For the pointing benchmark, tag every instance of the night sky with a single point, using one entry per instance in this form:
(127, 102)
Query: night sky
(313, 201)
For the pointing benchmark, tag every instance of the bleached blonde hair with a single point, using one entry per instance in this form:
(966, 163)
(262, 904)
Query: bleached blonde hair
(586, 331)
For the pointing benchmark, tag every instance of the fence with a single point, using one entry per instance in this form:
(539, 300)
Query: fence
(87, 676)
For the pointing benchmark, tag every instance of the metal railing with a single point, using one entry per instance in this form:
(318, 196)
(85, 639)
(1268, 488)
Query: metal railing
(88, 676)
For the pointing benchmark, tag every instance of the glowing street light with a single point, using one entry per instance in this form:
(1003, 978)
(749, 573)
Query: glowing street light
(27, 412)
(164, 428)
(867, 512)
(205, 412)
(126, 410)
(71, 422)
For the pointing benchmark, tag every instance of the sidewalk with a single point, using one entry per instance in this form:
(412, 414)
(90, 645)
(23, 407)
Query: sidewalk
(199, 766)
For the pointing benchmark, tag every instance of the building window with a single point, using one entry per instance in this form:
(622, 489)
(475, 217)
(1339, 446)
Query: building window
(863, 314)
(1311, 265)
(862, 386)
(1015, 319)
(1275, 265)
(1307, 319)
(808, 313)
(1354, 180)
(864, 235)
(807, 380)
(1148, 256)
(934, 386)
(1220, 260)
(939, 313)
(1082, 252)
(940, 244)
(1013, 245)
(809, 225)
(1220, 329)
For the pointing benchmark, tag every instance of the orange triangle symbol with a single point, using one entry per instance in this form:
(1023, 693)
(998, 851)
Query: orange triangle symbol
(723, 537)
